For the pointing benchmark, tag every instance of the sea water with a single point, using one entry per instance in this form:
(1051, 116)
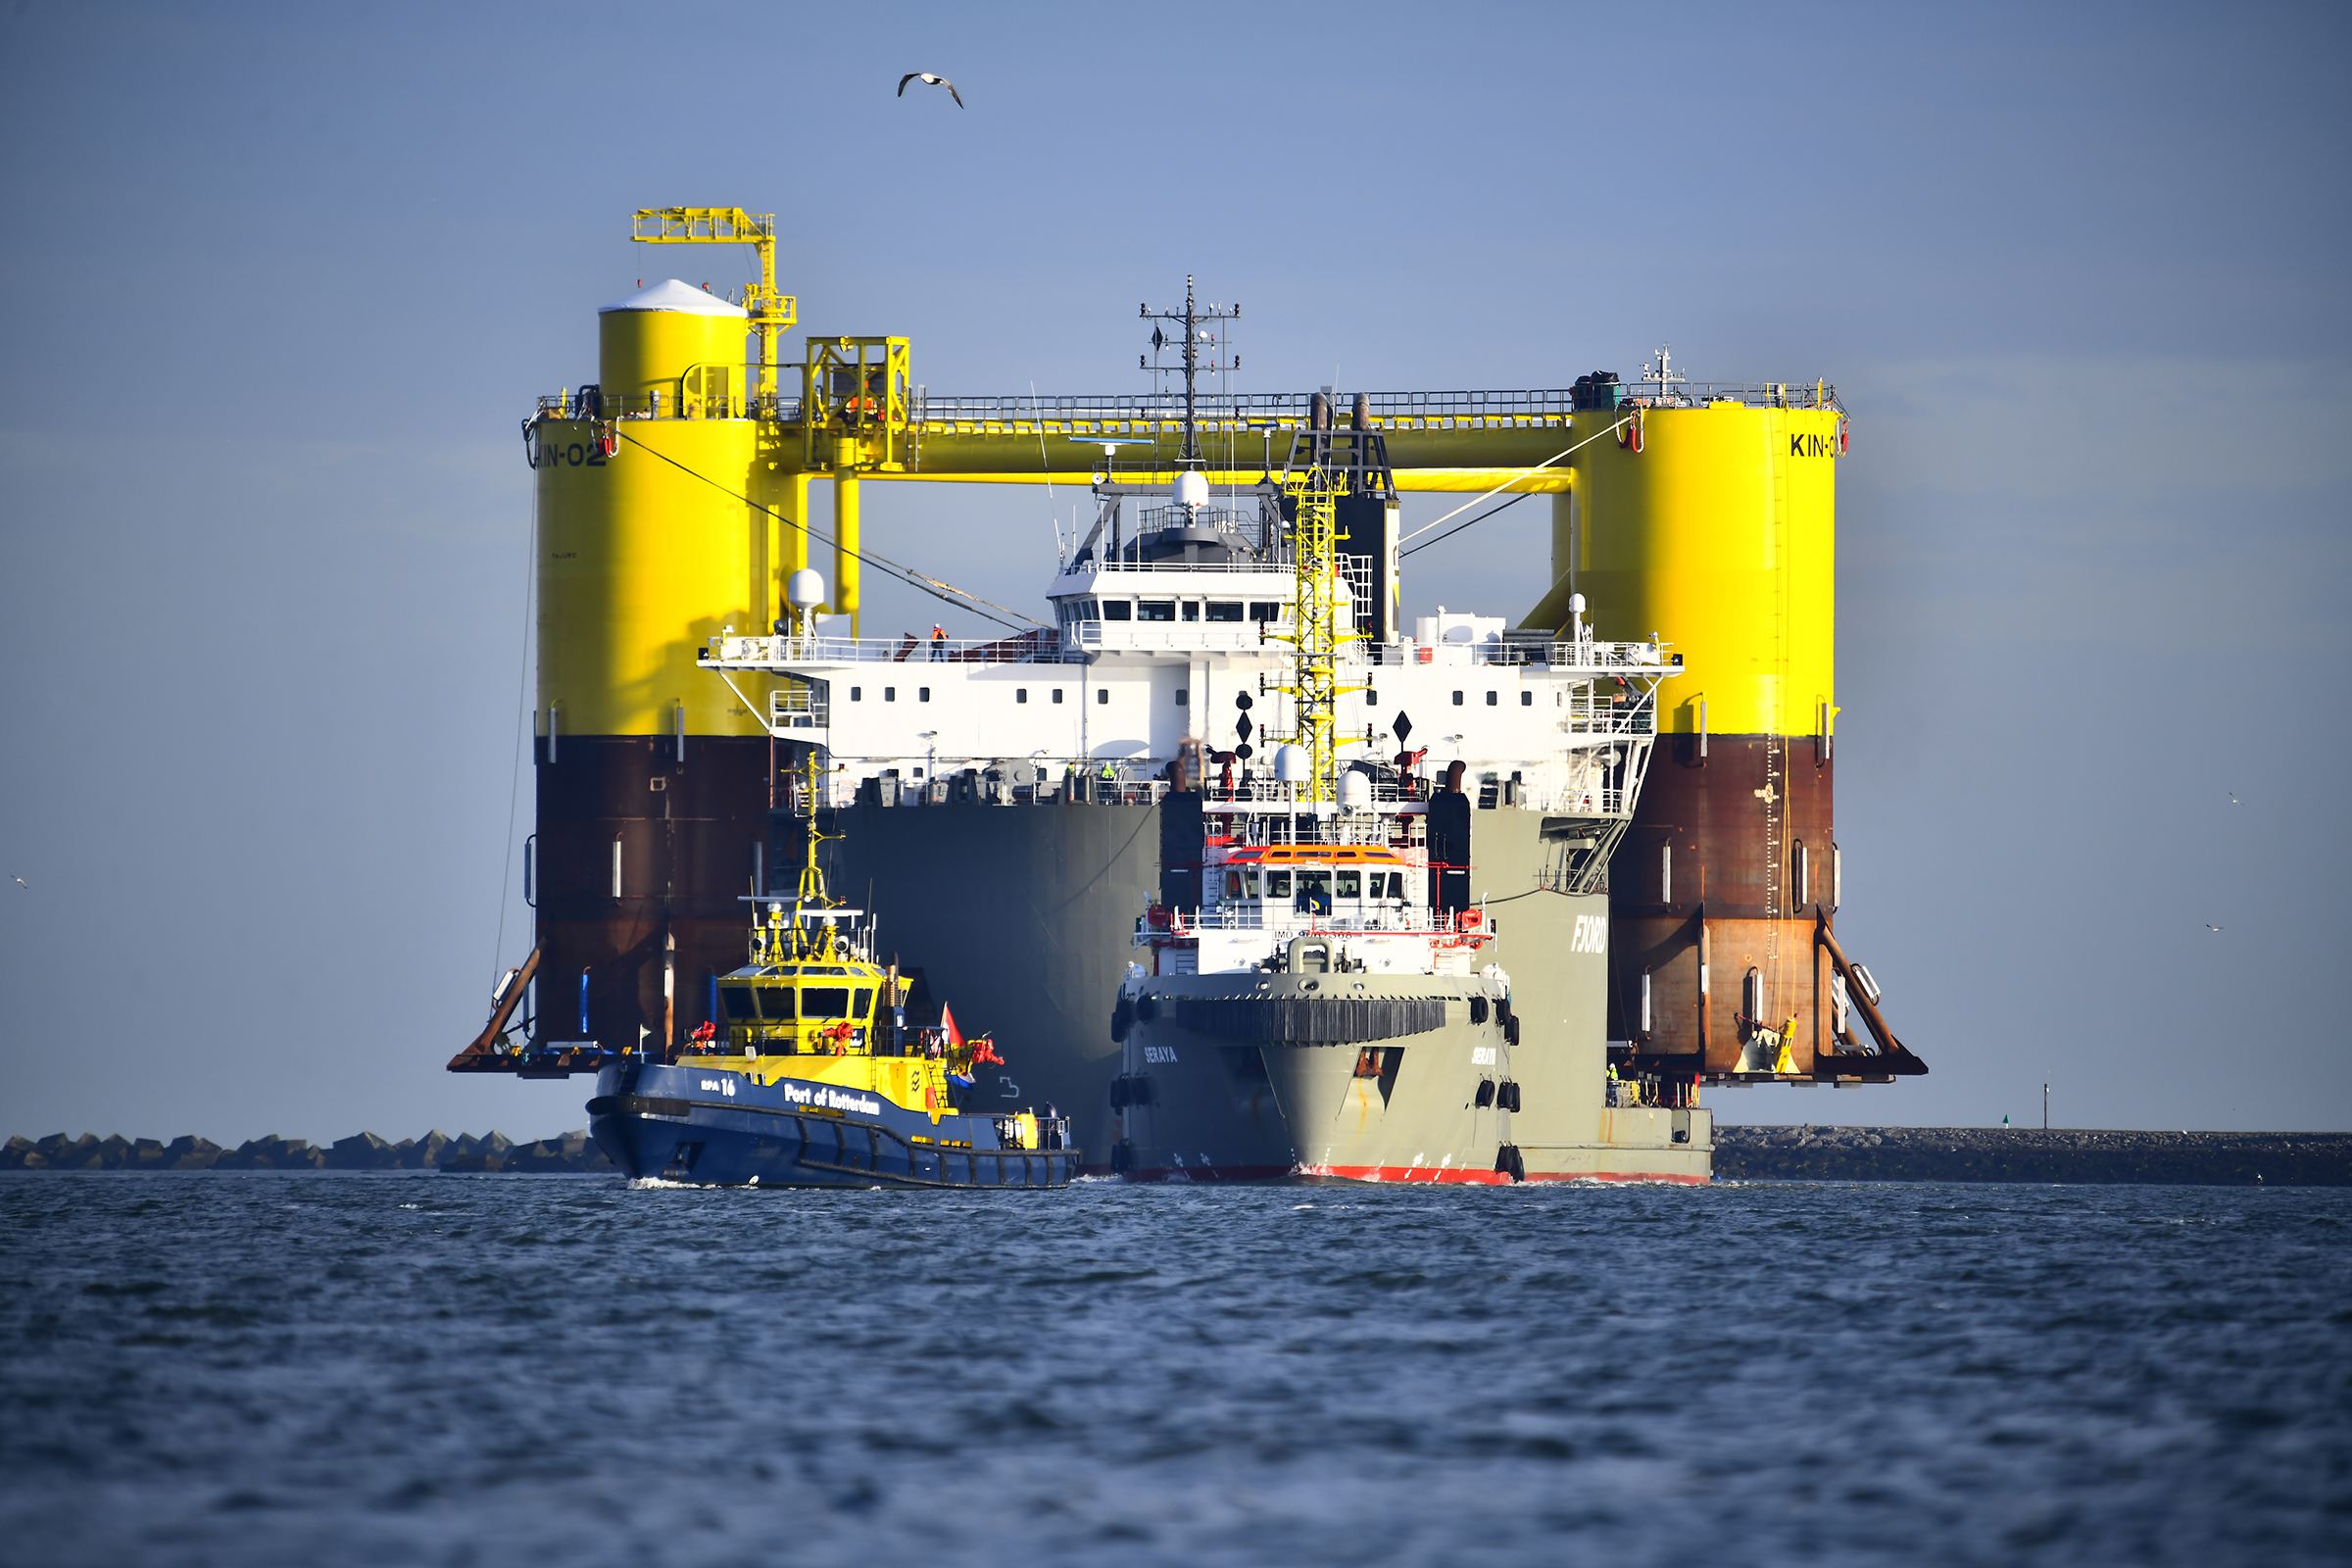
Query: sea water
(322, 1368)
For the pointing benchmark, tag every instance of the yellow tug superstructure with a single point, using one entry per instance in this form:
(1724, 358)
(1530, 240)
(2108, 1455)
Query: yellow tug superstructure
(678, 493)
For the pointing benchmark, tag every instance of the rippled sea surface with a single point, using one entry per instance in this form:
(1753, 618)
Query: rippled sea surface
(419, 1368)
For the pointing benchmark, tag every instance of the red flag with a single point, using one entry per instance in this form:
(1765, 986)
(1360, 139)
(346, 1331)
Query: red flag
(947, 1021)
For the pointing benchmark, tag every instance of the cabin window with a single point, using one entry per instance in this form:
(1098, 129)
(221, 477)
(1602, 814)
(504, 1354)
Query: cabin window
(1457, 699)
(1101, 696)
(1192, 610)
(1527, 699)
(1155, 610)
(1350, 884)
(1020, 694)
(890, 694)
(1058, 694)
(857, 694)
(739, 1003)
(1314, 893)
(824, 1001)
(1117, 610)
(923, 694)
(1371, 697)
(1184, 696)
(1800, 881)
(1278, 884)
(1227, 610)
(865, 1003)
(1494, 699)
(1261, 610)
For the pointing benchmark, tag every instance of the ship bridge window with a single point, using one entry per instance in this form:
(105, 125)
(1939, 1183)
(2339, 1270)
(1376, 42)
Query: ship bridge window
(1262, 611)
(739, 1003)
(1241, 882)
(1352, 884)
(1117, 610)
(1314, 892)
(1227, 610)
(1278, 884)
(776, 1004)
(824, 1001)
(1191, 608)
(865, 1003)
(1389, 885)
(1155, 610)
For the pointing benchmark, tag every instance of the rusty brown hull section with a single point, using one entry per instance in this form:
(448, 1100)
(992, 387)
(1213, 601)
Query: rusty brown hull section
(1731, 869)
(687, 827)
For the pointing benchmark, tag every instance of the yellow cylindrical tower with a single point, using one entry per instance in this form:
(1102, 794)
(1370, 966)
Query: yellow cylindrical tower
(652, 776)
(1712, 523)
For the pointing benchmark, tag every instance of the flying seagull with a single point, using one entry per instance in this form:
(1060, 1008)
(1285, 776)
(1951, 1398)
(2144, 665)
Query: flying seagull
(2233, 797)
(2210, 926)
(930, 78)
(21, 882)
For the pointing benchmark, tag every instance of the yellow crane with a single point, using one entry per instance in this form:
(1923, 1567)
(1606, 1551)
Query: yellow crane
(772, 314)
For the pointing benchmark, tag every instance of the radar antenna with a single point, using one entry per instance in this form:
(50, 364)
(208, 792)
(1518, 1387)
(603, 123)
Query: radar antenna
(1205, 350)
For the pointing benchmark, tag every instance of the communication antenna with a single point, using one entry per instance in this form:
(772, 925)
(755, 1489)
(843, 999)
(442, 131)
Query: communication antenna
(1661, 372)
(1204, 346)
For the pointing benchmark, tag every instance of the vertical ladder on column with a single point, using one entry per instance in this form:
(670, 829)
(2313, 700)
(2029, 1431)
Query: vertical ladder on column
(1775, 743)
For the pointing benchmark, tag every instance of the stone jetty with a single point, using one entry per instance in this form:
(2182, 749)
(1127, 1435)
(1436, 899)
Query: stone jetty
(435, 1150)
(2031, 1154)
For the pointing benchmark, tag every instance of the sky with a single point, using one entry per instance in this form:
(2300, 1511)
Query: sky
(281, 282)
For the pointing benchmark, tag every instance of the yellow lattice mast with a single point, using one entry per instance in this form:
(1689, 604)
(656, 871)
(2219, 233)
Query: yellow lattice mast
(772, 314)
(1317, 632)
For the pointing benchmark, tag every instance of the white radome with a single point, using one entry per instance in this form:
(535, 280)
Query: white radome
(805, 589)
(1290, 764)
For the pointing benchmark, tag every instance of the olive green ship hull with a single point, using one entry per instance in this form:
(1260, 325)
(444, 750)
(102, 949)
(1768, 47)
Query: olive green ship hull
(1024, 915)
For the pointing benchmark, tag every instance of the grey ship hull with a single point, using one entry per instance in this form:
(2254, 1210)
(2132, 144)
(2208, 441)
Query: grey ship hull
(1023, 916)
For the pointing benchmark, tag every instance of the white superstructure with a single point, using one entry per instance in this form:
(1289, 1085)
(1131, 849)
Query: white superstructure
(1158, 634)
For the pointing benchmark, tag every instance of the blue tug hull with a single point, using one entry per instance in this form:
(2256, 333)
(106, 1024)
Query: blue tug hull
(709, 1125)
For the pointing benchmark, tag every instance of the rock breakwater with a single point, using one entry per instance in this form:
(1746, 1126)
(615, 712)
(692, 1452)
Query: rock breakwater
(2031, 1154)
(435, 1150)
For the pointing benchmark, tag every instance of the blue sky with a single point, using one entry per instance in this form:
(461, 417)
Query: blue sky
(281, 282)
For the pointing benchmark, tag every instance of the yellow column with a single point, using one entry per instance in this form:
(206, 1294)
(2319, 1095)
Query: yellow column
(796, 536)
(845, 545)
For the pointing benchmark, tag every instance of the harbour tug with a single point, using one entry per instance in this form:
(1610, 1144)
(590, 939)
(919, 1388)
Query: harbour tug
(816, 1078)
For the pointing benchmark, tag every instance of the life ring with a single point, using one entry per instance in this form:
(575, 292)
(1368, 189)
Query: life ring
(1471, 921)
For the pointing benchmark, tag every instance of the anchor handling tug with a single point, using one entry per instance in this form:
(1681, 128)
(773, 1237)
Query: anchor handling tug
(816, 1079)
